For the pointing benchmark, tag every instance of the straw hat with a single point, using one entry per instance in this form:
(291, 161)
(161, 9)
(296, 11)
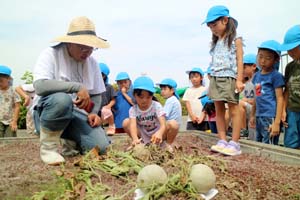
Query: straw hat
(82, 31)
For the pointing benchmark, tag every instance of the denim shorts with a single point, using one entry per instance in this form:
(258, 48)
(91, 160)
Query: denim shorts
(223, 89)
(292, 132)
(262, 131)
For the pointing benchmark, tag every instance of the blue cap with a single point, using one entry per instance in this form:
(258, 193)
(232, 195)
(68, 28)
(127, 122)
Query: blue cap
(144, 83)
(196, 69)
(104, 69)
(249, 58)
(122, 76)
(216, 12)
(5, 70)
(205, 99)
(272, 45)
(291, 38)
(170, 82)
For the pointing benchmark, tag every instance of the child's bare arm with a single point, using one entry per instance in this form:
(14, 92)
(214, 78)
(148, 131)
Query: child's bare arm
(285, 102)
(275, 129)
(23, 94)
(157, 137)
(190, 112)
(134, 131)
(128, 98)
(14, 122)
(240, 66)
(252, 115)
(111, 103)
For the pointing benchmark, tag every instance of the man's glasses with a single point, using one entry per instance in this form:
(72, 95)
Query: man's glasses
(85, 49)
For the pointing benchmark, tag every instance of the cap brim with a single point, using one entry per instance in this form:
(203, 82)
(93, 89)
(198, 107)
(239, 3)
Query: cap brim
(287, 47)
(88, 40)
(147, 89)
(176, 95)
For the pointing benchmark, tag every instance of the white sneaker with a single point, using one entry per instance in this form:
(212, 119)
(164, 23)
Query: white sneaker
(221, 144)
(232, 149)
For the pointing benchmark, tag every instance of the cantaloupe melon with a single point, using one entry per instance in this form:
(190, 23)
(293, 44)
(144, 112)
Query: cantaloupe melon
(141, 152)
(150, 176)
(203, 178)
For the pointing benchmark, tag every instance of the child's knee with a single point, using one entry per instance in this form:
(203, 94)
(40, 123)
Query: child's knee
(173, 125)
(126, 124)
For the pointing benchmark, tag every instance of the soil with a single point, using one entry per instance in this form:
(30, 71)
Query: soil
(240, 177)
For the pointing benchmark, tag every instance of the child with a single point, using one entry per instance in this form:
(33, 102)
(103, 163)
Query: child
(226, 76)
(210, 111)
(269, 85)
(27, 92)
(247, 100)
(124, 101)
(172, 109)
(10, 104)
(147, 117)
(194, 107)
(291, 103)
(108, 101)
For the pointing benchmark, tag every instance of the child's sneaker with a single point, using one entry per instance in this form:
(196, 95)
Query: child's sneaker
(219, 146)
(232, 149)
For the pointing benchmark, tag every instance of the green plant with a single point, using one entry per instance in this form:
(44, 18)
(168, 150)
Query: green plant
(22, 116)
(27, 77)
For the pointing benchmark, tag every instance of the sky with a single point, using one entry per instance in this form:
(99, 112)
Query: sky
(160, 38)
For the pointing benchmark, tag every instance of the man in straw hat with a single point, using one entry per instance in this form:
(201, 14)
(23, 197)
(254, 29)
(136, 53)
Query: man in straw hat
(68, 81)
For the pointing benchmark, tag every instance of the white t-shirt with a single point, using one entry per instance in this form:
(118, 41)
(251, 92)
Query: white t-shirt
(192, 95)
(56, 64)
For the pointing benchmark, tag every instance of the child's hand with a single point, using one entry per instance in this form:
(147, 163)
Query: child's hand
(239, 85)
(283, 119)
(252, 122)
(156, 138)
(136, 141)
(194, 118)
(13, 126)
(123, 90)
(274, 129)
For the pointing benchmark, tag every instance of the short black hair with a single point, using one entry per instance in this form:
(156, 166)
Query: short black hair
(4, 76)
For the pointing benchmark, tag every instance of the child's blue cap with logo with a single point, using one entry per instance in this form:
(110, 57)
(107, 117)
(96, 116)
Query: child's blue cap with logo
(196, 69)
(291, 38)
(169, 82)
(104, 69)
(5, 70)
(144, 83)
(249, 58)
(122, 76)
(216, 12)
